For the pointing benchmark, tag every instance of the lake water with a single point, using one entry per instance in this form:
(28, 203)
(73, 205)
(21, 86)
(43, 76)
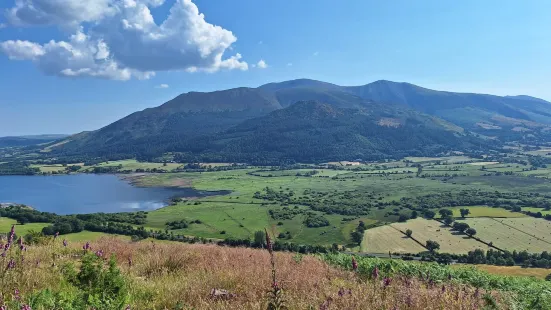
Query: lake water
(86, 193)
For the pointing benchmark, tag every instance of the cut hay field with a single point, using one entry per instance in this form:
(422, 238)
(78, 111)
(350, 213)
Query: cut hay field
(506, 237)
(484, 211)
(538, 228)
(386, 238)
(517, 271)
(450, 242)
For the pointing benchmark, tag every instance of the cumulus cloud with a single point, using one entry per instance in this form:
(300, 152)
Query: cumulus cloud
(121, 40)
(262, 64)
(162, 86)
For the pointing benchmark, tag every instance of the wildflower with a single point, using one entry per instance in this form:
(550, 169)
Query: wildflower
(11, 264)
(477, 292)
(268, 242)
(65, 243)
(26, 307)
(20, 241)
(341, 292)
(127, 307)
(4, 254)
(375, 273)
(443, 288)
(354, 264)
(16, 294)
(23, 248)
(3, 307)
(409, 301)
(99, 253)
(326, 304)
(130, 261)
(387, 281)
(56, 235)
(87, 246)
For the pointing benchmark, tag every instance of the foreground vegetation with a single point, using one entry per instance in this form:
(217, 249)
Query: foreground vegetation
(110, 273)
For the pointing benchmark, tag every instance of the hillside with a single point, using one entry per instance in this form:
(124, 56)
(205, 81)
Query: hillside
(310, 131)
(146, 275)
(19, 141)
(176, 123)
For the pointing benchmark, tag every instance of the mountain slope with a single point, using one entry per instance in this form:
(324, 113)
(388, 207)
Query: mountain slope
(310, 131)
(191, 115)
(19, 141)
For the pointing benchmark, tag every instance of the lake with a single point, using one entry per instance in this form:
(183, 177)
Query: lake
(87, 193)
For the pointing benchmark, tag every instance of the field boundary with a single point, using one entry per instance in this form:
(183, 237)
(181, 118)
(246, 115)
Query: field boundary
(412, 238)
(538, 238)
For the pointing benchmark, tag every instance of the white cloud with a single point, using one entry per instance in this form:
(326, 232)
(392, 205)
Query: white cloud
(123, 41)
(260, 42)
(316, 53)
(262, 64)
(290, 64)
(2, 25)
(162, 86)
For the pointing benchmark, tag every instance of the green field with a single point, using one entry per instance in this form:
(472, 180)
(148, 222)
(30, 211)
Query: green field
(20, 230)
(484, 211)
(132, 164)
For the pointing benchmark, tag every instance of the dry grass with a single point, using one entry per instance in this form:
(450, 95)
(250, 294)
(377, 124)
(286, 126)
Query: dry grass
(449, 241)
(519, 271)
(386, 238)
(181, 276)
(170, 274)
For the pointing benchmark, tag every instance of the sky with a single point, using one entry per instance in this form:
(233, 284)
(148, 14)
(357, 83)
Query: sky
(69, 65)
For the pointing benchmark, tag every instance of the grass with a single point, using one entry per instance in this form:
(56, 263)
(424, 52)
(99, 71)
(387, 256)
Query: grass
(132, 164)
(6, 224)
(518, 271)
(386, 238)
(183, 276)
(85, 236)
(484, 211)
(449, 241)
(507, 237)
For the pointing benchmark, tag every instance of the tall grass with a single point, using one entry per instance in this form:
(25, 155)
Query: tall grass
(114, 274)
(524, 292)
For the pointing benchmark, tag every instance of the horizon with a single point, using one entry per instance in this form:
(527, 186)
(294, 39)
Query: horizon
(78, 67)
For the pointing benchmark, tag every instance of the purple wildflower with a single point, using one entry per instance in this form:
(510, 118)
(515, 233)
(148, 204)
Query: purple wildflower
(130, 261)
(16, 294)
(65, 243)
(268, 242)
(87, 246)
(341, 292)
(354, 264)
(387, 281)
(26, 307)
(375, 273)
(3, 307)
(20, 241)
(99, 253)
(11, 264)
(4, 254)
(443, 288)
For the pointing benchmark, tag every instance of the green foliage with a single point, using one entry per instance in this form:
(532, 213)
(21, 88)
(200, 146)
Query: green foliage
(409, 233)
(314, 220)
(432, 245)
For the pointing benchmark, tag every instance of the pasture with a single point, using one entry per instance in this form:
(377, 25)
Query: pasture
(450, 242)
(484, 211)
(387, 238)
(507, 237)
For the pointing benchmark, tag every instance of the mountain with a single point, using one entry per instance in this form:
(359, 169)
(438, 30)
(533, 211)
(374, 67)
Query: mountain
(189, 116)
(310, 131)
(18, 141)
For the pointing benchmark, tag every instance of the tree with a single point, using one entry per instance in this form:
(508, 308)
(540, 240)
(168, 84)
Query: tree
(432, 245)
(357, 236)
(419, 170)
(548, 278)
(461, 227)
(429, 214)
(260, 238)
(448, 221)
(445, 213)
(414, 214)
(409, 232)
(470, 232)
(464, 212)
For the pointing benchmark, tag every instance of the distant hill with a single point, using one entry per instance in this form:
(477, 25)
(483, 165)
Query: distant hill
(19, 141)
(194, 114)
(310, 131)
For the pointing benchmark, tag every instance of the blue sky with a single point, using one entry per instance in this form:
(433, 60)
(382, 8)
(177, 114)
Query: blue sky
(497, 47)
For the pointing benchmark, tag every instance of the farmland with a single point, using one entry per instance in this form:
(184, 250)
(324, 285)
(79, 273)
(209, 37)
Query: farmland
(450, 242)
(508, 237)
(387, 238)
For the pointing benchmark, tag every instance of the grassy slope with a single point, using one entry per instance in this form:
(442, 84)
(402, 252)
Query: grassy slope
(163, 275)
